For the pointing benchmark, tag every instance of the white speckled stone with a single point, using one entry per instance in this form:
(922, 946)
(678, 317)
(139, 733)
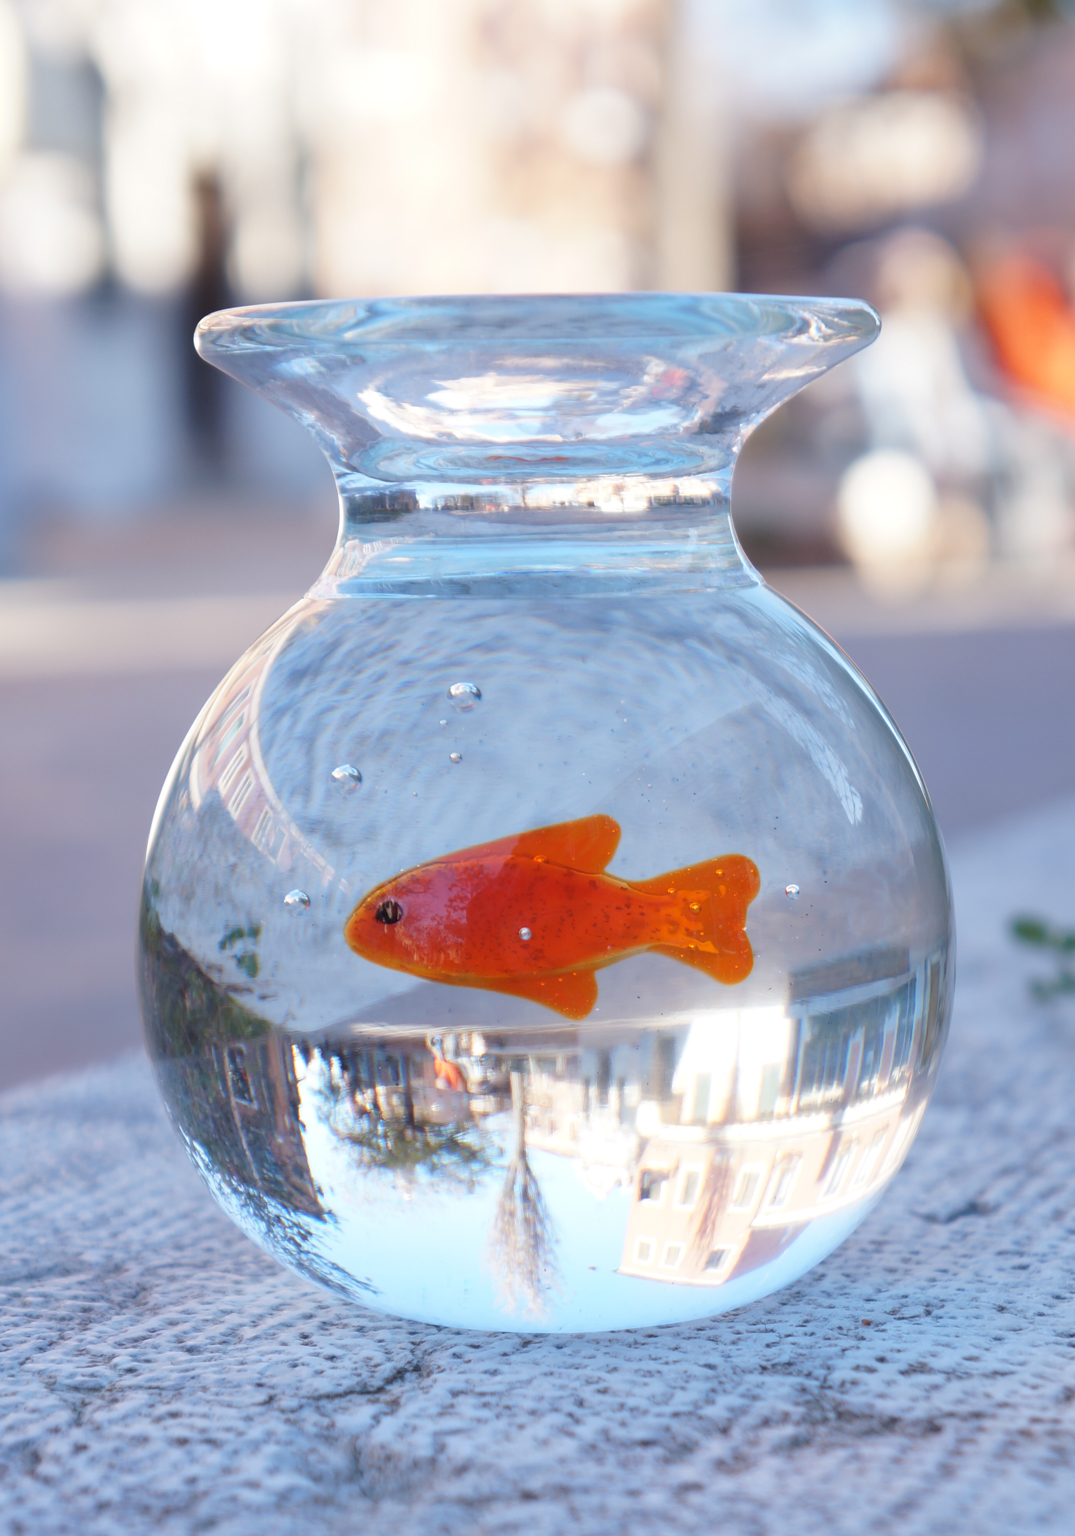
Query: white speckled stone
(160, 1374)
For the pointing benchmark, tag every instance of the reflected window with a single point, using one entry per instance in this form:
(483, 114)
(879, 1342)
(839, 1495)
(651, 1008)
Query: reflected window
(839, 1169)
(701, 1098)
(671, 1256)
(241, 1090)
(651, 1184)
(715, 1260)
(902, 1139)
(231, 770)
(643, 1250)
(688, 1187)
(868, 1161)
(263, 832)
(770, 1089)
(746, 1188)
(783, 1178)
(604, 1076)
(229, 735)
(242, 793)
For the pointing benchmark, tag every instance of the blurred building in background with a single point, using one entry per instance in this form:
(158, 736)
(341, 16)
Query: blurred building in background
(161, 158)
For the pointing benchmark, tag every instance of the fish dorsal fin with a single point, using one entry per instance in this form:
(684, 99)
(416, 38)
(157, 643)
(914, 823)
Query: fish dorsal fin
(586, 845)
(571, 993)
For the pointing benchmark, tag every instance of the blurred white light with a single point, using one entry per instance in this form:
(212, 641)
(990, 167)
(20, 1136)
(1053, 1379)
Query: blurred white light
(51, 240)
(873, 158)
(604, 126)
(378, 84)
(343, 134)
(506, 112)
(267, 251)
(887, 508)
(785, 58)
(12, 82)
(149, 199)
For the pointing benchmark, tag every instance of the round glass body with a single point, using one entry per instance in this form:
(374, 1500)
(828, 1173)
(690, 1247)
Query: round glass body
(544, 924)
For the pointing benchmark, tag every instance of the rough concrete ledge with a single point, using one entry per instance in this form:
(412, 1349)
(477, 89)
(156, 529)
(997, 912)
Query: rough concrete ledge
(158, 1373)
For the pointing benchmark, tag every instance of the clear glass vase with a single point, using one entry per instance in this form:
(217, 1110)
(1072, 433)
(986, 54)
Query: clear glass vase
(544, 924)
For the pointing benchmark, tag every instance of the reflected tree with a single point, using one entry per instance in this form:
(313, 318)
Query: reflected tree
(523, 1238)
(447, 1155)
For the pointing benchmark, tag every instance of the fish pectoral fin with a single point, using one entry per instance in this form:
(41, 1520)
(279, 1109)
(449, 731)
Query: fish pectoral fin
(572, 993)
(586, 845)
(732, 964)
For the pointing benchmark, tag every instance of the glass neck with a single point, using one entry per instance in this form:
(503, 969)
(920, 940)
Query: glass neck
(611, 537)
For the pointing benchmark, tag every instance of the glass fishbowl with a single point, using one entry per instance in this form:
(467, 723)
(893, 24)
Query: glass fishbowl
(544, 926)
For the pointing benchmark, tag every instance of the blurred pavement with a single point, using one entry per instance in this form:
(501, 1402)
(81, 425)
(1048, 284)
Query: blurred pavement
(102, 672)
(163, 1374)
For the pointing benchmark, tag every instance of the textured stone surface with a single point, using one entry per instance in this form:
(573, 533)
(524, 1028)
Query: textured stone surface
(159, 1373)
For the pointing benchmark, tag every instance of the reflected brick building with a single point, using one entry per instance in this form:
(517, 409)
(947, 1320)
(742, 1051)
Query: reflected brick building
(781, 1117)
(735, 1130)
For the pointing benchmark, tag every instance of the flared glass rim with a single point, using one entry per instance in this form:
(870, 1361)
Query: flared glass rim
(343, 325)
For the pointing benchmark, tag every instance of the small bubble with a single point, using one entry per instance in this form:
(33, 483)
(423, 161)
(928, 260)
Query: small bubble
(444, 722)
(791, 892)
(464, 695)
(346, 777)
(296, 901)
(524, 934)
(456, 757)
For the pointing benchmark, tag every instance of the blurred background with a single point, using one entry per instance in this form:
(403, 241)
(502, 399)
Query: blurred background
(163, 158)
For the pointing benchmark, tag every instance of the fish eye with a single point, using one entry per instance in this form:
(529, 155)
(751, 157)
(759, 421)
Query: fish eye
(389, 911)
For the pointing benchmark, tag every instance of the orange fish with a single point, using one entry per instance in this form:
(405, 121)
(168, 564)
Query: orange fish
(535, 916)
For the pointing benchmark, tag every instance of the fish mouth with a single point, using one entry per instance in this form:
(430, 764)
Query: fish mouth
(389, 911)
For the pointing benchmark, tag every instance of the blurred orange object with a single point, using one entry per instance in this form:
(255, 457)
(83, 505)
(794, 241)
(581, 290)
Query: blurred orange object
(1032, 326)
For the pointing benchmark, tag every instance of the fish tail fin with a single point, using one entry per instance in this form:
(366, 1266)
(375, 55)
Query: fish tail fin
(707, 905)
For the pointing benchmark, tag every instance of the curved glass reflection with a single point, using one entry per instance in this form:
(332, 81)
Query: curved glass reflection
(522, 676)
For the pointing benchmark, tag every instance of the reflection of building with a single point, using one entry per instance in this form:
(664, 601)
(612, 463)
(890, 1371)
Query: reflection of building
(710, 1205)
(239, 1101)
(732, 1130)
(777, 1117)
(736, 1129)
(229, 1081)
(413, 1083)
(229, 758)
(582, 1104)
(404, 1107)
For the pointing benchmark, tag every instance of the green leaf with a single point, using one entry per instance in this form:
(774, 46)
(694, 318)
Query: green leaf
(1030, 930)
